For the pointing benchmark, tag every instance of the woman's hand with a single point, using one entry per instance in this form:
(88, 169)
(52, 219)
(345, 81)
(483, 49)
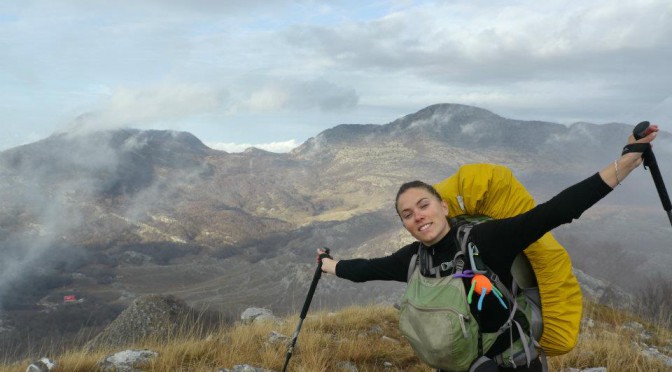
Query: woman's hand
(613, 174)
(328, 263)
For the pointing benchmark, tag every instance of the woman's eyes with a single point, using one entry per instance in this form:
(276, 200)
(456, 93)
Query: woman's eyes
(410, 214)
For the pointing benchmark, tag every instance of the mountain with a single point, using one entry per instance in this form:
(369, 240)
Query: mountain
(109, 216)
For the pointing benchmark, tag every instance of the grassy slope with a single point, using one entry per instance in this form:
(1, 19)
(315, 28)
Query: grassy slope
(369, 338)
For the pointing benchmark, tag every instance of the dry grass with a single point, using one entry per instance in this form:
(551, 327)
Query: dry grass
(367, 337)
(605, 342)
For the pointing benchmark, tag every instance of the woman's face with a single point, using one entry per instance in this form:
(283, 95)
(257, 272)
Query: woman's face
(423, 215)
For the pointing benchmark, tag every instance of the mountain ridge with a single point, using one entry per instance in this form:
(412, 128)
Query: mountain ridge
(158, 211)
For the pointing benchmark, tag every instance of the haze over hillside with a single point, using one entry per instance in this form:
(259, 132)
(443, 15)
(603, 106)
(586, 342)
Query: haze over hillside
(112, 215)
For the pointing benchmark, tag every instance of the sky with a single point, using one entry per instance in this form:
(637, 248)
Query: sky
(274, 73)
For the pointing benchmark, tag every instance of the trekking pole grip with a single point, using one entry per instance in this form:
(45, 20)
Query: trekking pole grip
(641, 131)
(313, 284)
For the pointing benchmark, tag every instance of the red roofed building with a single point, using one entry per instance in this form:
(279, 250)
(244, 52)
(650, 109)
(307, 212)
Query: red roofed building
(69, 298)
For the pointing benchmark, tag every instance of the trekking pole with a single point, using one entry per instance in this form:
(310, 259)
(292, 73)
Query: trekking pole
(639, 132)
(306, 305)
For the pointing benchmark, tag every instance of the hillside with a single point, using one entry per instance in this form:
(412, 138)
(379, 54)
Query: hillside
(111, 216)
(363, 339)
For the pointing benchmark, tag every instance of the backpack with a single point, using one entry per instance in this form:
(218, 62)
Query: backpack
(435, 315)
(492, 190)
(436, 319)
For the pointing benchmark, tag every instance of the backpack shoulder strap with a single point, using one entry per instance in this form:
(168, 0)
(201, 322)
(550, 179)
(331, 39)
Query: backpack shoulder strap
(468, 248)
(414, 262)
(411, 267)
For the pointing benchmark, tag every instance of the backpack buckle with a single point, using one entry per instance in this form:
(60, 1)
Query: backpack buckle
(446, 266)
(459, 265)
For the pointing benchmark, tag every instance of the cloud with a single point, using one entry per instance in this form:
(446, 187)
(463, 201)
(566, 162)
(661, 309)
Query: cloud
(158, 8)
(282, 146)
(246, 63)
(599, 61)
(288, 94)
(146, 106)
(465, 41)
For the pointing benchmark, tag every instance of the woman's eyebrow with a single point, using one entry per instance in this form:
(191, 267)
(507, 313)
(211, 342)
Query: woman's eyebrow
(416, 203)
(421, 199)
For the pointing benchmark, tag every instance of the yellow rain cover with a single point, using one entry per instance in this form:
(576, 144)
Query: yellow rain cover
(493, 191)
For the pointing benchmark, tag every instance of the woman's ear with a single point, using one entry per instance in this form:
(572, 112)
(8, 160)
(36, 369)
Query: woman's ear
(444, 205)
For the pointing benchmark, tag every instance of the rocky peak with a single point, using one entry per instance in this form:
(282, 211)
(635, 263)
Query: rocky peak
(153, 316)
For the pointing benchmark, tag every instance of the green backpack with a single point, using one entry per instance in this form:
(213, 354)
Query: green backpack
(435, 316)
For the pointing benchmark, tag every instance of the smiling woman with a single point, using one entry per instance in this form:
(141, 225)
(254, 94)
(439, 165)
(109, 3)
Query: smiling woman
(488, 334)
(422, 212)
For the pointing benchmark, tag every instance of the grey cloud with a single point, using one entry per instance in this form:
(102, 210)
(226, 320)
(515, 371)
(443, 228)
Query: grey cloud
(163, 7)
(597, 61)
(40, 210)
(144, 107)
(48, 187)
(520, 45)
(324, 95)
(286, 94)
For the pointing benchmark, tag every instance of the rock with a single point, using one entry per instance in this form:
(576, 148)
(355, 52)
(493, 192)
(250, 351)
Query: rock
(588, 323)
(655, 353)
(603, 292)
(389, 339)
(253, 314)
(244, 368)
(637, 327)
(156, 316)
(127, 360)
(276, 337)
(376, 329)
(347, 366)
(41, 365)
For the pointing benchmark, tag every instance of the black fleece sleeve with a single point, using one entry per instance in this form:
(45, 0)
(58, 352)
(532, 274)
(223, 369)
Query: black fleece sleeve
(499, 241)
(392, 267)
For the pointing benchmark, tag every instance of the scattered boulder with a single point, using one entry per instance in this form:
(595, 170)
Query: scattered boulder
(41, 365)
(389, 339)
(253, 314)
(127, 360)
(149, 316)
(244, 368)
(635, 326)
(376, 329)
(276, 337)
(603, 292)
(347, 366)
(653, 352)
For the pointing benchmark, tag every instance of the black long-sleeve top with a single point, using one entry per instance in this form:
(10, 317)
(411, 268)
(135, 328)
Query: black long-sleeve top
(498, 241)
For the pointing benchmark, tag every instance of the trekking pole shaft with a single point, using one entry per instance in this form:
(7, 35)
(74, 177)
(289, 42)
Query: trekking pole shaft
(660, 184)
(304, 311)
(311, 290)
(650, 162)
(290, 351)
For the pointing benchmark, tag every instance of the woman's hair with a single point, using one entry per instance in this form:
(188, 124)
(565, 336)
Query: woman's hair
(415, 185)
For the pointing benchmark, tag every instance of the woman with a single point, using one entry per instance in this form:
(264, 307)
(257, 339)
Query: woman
(424, 215)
